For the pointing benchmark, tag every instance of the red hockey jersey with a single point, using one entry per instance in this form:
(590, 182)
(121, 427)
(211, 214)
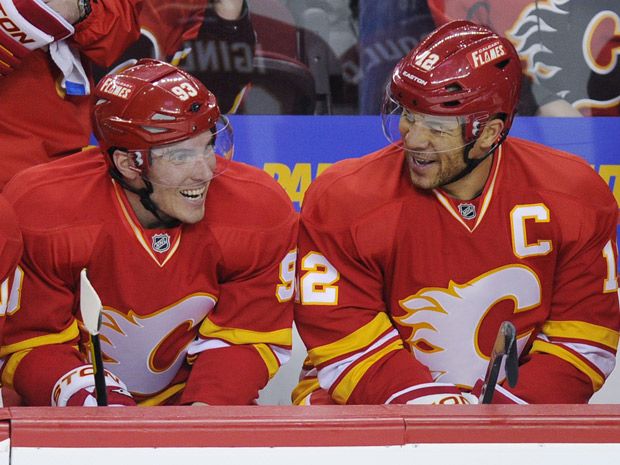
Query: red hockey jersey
(217, 293)
(39, 121)
(400, 286)
(10, 253)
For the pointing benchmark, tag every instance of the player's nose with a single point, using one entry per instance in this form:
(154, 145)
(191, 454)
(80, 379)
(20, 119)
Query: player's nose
(202, 169)
(416, 136)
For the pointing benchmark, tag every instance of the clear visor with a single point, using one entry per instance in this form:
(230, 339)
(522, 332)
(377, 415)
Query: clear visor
(419, 132)
(196, 160)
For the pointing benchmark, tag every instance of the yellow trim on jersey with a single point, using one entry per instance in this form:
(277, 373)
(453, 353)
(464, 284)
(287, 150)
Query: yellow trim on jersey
(487, 198)
(281, 337)
(137, 231)
(345, 387)
(582, 330)
(485, 201)
(58, 338)
(60, 91)
(303, 390)
(8, 373)
(162, 397)
(353, 342)
(271, 361)
(560, 352)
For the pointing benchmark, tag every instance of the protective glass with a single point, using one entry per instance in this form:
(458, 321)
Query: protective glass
(201, 157)
(420, 132)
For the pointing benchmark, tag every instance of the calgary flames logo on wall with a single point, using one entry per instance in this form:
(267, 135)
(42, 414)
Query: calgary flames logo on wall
(572, 48)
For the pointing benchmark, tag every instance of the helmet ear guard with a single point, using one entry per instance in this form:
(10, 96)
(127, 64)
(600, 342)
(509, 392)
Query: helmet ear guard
(137, 159)
(475, 125)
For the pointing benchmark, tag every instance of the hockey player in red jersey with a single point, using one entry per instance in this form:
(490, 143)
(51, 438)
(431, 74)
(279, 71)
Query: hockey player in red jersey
(192, 254)
(412, 256)
(44, 89)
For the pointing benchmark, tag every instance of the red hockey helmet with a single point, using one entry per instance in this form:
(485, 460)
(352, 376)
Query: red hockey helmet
(461, 70)
(152, 104)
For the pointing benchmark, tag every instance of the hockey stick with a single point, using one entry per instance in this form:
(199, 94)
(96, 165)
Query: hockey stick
(90, 306)
(505, 347)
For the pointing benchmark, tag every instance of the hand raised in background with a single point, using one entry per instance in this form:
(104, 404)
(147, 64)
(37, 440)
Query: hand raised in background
(68, 9)
(228, 9)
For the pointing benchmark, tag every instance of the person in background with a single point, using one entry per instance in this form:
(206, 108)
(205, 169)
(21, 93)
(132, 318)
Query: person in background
(411, 257)
(567, 49)
(213, 40)
(387, 31)
(192, 255)
(45, 73)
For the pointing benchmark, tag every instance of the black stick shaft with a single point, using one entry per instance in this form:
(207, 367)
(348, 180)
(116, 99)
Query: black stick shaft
(505, 346)
(491, 381)
(102, 396)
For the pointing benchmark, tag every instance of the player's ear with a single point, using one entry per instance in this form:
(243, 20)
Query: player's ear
(125, 164)
(490, 134)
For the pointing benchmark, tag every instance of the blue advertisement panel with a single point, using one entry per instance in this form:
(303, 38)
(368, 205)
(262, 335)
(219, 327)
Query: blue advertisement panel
(296, 149)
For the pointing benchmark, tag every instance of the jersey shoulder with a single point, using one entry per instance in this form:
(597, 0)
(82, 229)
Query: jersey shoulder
(352, 188)
(554, 172)
(246, 197)
(8, 225)
(66, 190)
(11, 244)
(251, 220)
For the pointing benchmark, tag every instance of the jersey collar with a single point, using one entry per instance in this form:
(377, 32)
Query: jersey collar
(452, 206)
(159, 244)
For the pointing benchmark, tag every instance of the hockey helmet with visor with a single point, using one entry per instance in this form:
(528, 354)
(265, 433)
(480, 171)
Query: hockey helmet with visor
(450, 85)
(149, 108)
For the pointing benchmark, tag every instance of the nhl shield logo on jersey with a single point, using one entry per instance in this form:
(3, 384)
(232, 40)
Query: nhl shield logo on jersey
(161, 242)
(467, 210)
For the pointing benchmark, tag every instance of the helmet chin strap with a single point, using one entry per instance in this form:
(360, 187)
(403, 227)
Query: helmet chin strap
(145, 197)
(472, 164)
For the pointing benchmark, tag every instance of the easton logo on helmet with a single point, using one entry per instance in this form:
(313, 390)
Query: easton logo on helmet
(413, 77)
(486, 54)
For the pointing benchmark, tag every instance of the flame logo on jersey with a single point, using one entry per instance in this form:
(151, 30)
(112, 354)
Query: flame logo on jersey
(571, 48)
(446, 323)
(147, 351)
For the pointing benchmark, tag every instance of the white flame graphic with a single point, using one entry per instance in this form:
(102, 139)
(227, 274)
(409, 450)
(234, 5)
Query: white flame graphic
(446, 321)
(132, 340)
(530, 22)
